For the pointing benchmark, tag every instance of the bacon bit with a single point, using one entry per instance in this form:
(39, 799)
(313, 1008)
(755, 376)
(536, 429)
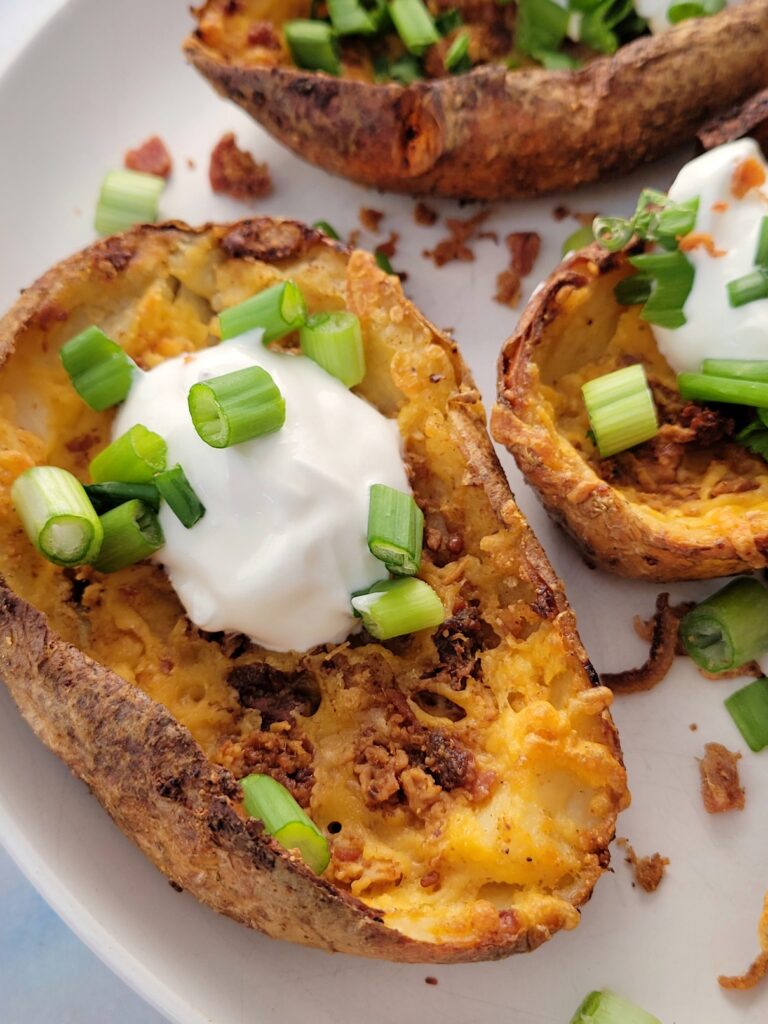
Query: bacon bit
(81, 444)
(166, 665)
(508, 288)
(424, 214)
(431, 879)
(191, 163)
(748, 174)
(389, 248)
(455, 246)
(524, 247)
(721, 789)
(151, 157)
(492, 235)
(664, 628)
(649, 871)
(370, 219)
(233, 172)
(561, 212)
(430, 980)
(693, 727)
(719, 207)
(262, 33)
(759, 966)
(700, 240)
(353, 238)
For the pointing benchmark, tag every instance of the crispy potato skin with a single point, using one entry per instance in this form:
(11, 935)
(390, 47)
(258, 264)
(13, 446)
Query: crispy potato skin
(494, 133)
(622, 536)
(143, 765)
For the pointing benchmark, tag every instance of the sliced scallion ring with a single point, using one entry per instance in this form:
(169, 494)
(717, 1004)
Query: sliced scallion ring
(101, 372)
(57, 515)
(729, 629)
(236, 407)
(132, 532)
(396, 607)
(457, 58)
(180, 496)
(612, 233)
(335, 342)
(607, 1008)
(672, 276)
(414, 25)
(395, 529)
(127, 198)
(112, 493)
(749, 288)
(621, 409)
(277, 311)
(313, 45)
(267, 800)
(133, 458)
(748, 707)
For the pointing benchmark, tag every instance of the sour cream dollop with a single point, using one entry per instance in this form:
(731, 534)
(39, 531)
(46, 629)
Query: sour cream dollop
(714, 329)
(655, 12)
(282, 544)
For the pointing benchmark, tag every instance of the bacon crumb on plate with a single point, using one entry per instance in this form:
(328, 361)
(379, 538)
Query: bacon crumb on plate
(151, 157)
(233, 172)
(721, 789)
(455, 246)
(508, 288)
(371, 219)
(424, 214)
(663, 629)
(524, 247)
(649, 871)
(758, 969)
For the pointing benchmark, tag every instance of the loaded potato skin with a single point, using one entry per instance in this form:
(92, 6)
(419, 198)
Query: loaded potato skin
(419, 757)
(491, 132)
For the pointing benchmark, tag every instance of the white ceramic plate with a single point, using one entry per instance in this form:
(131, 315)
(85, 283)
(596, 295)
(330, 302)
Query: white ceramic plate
(97, 78)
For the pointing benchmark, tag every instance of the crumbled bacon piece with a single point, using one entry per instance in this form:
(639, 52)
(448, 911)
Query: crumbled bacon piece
(759, 966)
(508, 288)
(721, 789)
(560, 212)
(649, 871)
(234, 172)
(370, 219)
(455, 247)
(524, 249)
(665, 628)
(424, 214)
(389, 248)
(262, 33)
(748, 174)
(700, 240)
(151, 157)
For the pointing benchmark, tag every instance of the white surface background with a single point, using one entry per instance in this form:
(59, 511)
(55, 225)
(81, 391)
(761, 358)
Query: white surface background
(100, 77)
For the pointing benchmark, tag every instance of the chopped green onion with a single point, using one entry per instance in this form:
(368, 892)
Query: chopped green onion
(730, 628)
(633, 290)
(612, 233)
(133, 458)
(739, 369)
(708, 388)
(554, 61)
(395, 530)
(580, 239)
(349, 17)
(327, 229)
(236, 407)
(748, 288)
(101, 372)
(335, 342)
(414, 25)
(607, 1008)
(277, 311)
(457, 58)
(597, 26)
(396, 607)
(131, 532)
(405, 69)
(748, 707)
(178, 492)
(57, 515)
(313, 45)
(541, 26)
(268, 801)
(761, 256)
(754, 437)
(127, 198)
(682, 11)
(672, 276)
(447, 21)
(112, 493)
(382, 262)
(621, 410)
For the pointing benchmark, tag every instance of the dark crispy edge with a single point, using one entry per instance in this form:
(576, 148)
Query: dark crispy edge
(494, 133)
(614, 533)
(143, 766)
(750, 118)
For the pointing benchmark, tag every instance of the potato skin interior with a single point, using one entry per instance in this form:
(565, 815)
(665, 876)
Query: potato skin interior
(690, 504)
(468, 778)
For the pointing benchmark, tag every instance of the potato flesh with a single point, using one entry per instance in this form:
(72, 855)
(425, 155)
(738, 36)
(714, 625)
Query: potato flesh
(533, 847)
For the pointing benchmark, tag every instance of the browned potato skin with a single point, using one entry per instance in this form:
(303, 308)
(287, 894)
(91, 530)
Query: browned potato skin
(614, 533)
(494, 133)
(146, 768)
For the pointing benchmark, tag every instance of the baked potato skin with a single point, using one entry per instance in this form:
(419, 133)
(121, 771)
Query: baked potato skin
(143, 765)
(493, 133)
(616, 534)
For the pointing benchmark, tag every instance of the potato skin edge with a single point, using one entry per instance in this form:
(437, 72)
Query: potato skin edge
(561, 129)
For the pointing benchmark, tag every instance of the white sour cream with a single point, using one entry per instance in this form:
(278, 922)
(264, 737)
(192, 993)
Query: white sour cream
(282, 545)
(714, 329)
(655, 12)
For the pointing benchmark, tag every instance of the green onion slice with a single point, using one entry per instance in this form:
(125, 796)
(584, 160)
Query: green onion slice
(607, 1008)
(335, 342)
(277, 311)
(236, 407)
(178, 492)
(414, 25)
(264, 798)
(133, 458)
(748, 288)
(404, 69)
(395, 530)
(540, 26)
(707, 388)
(127, 198)
(633, 290)
(457, 58)
(396, 607)
(730, 628)
(313, 45)
(351, 17)
(748, 708)
(761, 256)
(57, 515)
(131, 532)
(101, 372)
(739, 369)
(612, 233)
(112, 493)
(672, 275)
(580, 239)
(327, 229)
(621, 409)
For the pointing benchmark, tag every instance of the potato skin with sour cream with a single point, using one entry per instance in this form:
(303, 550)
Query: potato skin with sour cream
(468, 778)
